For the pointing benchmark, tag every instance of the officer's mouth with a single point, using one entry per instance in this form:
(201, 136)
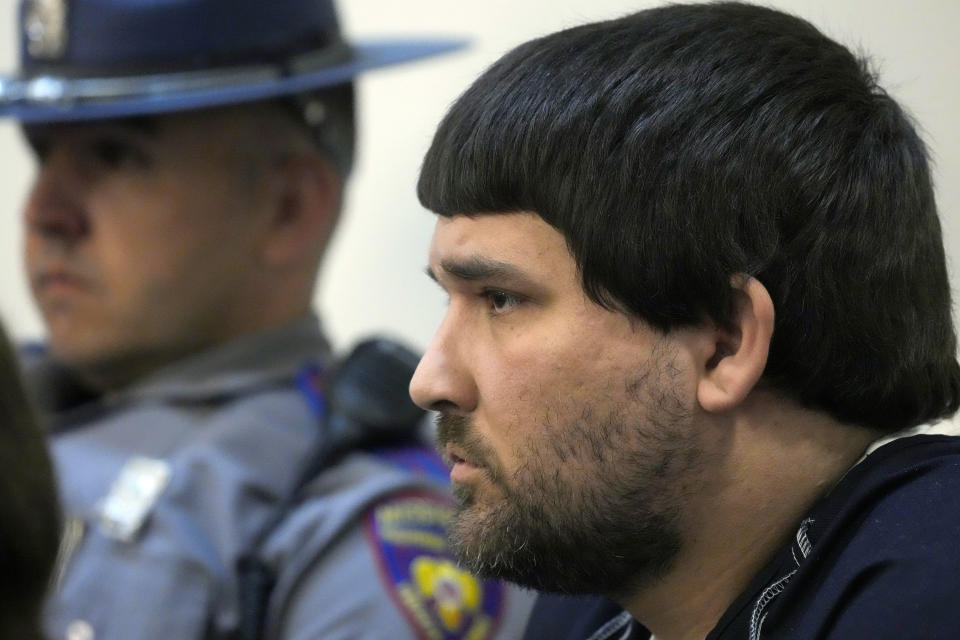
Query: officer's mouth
(58, 281)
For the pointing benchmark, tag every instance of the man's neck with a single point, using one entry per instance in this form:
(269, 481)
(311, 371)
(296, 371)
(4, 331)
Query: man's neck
(771, 462)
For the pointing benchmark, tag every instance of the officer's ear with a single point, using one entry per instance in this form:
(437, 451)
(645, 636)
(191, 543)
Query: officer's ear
(304, 203)
(738, 355)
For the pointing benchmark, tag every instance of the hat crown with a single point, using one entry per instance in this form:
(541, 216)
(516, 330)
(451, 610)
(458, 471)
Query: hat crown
(96, 59)
(77, 38)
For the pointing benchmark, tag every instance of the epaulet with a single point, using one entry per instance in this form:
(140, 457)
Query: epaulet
(407, 536)
(418, 460)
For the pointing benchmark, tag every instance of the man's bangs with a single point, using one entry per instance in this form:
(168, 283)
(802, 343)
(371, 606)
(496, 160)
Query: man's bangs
(495, 150)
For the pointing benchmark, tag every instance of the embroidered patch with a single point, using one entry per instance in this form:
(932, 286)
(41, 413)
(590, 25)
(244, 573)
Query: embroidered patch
(441, 600)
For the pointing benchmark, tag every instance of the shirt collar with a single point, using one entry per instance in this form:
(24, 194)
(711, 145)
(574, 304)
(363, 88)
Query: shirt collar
(948, 427)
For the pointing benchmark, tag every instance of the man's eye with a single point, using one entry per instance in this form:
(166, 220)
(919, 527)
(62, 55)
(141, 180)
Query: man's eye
(501, 301)
(116, 153)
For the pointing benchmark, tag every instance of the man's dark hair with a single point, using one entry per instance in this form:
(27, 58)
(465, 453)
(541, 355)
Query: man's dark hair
(677, 147)
(29, 512)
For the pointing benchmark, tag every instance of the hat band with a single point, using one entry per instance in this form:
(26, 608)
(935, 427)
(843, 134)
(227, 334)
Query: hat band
(62, 91)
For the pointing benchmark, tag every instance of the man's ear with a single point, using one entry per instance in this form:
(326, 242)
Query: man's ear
(740, 348)
(305, 203)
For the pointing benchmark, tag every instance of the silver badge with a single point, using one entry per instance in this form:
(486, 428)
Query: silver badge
(45, 28)
(132, 496)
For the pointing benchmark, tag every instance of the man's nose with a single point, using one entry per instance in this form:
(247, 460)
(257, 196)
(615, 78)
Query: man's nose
(444, 380)
(55, 207)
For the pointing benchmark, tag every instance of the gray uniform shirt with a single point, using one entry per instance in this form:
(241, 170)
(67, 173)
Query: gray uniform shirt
(166, 483)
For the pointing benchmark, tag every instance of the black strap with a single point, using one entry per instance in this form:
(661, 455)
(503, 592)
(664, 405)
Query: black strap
(367, 405)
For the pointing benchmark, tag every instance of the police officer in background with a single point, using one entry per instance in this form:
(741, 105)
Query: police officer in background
(223, 476)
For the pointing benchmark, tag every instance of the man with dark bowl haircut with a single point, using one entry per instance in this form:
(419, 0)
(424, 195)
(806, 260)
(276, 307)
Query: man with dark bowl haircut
(223, 475)
(698, 354)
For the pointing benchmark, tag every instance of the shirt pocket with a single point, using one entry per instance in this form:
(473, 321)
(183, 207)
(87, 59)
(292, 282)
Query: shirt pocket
(114, 591)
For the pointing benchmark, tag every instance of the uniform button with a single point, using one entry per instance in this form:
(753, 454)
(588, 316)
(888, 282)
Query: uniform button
(80, 630)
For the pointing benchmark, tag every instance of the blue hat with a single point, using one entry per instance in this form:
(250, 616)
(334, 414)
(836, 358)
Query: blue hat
(92, 59)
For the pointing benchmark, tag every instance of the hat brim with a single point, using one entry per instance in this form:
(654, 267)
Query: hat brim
(170, 94)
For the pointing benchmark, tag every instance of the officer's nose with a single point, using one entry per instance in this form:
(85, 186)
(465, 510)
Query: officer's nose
(444, 379)
(55, 207)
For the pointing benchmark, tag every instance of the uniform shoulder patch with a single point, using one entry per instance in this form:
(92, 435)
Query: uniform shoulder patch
(407, 533)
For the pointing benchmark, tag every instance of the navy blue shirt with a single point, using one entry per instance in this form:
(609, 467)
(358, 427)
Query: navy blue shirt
(878, 557)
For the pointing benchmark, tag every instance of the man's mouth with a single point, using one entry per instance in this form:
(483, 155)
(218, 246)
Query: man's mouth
(461, 467)
(466, 457)
(455, 456)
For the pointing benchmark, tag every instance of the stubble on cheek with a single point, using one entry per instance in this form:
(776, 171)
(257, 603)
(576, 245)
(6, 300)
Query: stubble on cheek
(591, 504)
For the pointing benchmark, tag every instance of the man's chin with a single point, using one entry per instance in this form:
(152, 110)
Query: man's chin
(467, 541)
(480, 535)
(465, 496)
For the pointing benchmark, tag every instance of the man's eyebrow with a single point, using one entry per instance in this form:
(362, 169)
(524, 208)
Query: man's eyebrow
(148, 125)
(479, 268)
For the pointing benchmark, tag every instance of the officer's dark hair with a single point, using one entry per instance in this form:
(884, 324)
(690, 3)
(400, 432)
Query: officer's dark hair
(330, 117)
(29, 512)
(324, 119)
(679, 146)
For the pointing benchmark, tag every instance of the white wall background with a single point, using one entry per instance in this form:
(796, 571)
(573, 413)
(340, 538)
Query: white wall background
(373, 281)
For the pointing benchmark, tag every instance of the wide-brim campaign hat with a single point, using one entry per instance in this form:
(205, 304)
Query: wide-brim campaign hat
(94, 59)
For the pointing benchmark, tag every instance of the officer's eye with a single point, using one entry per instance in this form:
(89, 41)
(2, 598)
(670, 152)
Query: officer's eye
(117, 153)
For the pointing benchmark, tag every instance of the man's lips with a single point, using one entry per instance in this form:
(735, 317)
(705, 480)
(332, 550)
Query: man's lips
(455, 455)
(461, 467)
(464, 453)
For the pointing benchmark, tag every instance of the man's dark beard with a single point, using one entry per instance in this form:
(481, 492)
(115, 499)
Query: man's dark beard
(599, 515)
